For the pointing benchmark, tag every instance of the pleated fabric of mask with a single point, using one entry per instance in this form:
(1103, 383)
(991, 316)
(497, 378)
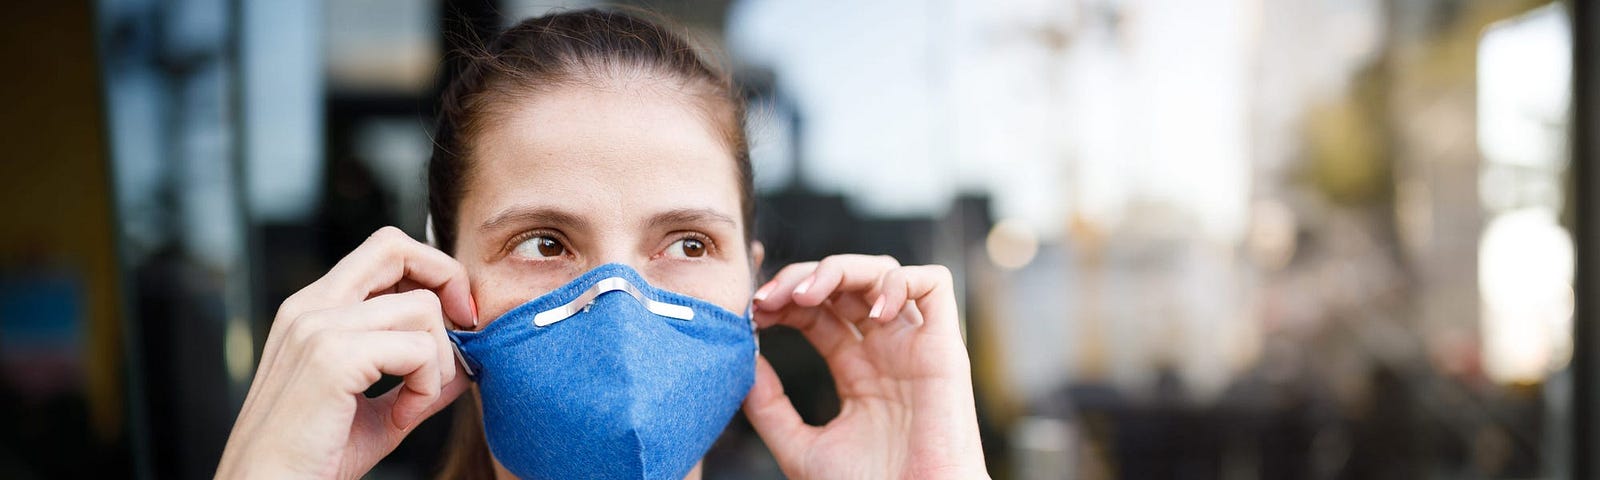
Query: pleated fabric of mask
(611, 381)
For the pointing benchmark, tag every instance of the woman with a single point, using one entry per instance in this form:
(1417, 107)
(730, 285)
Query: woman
(592, 161)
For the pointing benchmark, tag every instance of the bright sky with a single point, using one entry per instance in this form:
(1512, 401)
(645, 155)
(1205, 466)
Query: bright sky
(1045, 106)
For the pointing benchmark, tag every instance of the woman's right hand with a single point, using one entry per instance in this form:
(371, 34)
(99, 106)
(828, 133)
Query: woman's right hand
(380, 310)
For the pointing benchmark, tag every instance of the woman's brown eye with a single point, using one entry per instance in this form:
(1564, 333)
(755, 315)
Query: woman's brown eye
(692, 248)
(540, 247)
(549, 247)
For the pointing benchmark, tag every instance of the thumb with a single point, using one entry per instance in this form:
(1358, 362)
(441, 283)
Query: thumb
(774, 417)
(397, 415)
(373, 433)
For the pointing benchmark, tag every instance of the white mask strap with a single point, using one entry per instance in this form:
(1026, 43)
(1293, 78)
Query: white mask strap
(433, 240)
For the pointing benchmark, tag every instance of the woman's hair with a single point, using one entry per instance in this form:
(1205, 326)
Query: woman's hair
(595, 48)
(581, 48)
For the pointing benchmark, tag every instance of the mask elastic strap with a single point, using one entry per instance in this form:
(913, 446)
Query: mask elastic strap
(433, 240)
(750, 308)
(750, 314)
(455, 346)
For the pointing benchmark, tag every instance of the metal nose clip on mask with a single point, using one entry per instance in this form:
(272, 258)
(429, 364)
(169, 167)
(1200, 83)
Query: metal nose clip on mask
(609, 377)
(608, 285)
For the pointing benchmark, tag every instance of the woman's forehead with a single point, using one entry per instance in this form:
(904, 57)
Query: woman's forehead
(583, 121)
(585, 149)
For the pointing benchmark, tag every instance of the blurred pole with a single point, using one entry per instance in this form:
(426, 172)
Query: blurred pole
(277, 105)
(1586, 207)
(236, 294)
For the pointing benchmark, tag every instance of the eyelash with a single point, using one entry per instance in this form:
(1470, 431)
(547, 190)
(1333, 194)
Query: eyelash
(511, 245)
(711, 247)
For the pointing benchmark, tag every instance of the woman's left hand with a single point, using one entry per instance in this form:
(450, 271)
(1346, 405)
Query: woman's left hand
(890, 337)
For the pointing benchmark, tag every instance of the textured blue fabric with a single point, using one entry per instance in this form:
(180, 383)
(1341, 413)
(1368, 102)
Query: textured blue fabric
(614, 391)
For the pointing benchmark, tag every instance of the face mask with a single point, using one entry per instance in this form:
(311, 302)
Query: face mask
(608, 377)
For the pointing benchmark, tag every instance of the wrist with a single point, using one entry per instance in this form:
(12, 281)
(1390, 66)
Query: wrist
(954, 472)
(248, 460)
(964, 465)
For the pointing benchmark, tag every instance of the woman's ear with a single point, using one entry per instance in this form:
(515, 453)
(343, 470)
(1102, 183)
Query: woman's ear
(758, 253)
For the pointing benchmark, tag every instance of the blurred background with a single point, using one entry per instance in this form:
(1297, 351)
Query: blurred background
(1229, 239)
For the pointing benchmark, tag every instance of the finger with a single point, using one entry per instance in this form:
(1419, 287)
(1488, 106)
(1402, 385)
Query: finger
(852, 308)
(447, 394)
(418, 368)
(891, 295)
(406, 285)
(389, 257)
(353, 361)
(344, 284)
(374, 431)
(927, 289)
(422, 266)
(842, 273)
(775, 294)
(774, 416)
(839, 342)
(827, 334)
(415, 310)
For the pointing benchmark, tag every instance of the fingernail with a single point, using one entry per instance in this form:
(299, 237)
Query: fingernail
(764, 291)
(474, 303)
(806, 285)
(877, 308)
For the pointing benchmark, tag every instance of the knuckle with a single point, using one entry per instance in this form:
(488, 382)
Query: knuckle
(322, 349)
(441, 344)
(418, 341)
(829, 261)
(302, 329)
(423, 299)
(797, 268)
(895, 276)
(456, 266)
(304, 301)
(424, 342)
(389, 239)
(887, 259)
(293, 306)
(897, 284)
(388, 233)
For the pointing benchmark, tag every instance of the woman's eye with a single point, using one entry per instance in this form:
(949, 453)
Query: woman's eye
(540, 247)
(688, 247)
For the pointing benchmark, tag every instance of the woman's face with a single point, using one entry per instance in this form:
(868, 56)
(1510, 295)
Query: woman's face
(574, 178)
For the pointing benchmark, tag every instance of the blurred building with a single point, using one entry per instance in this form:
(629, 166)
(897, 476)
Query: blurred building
(1226, 239)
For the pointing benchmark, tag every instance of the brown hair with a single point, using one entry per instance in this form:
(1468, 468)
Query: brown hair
(573, 48)
(587, 47)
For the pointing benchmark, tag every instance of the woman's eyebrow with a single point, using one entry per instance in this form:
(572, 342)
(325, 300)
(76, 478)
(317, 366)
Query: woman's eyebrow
(689, 216)
(535, 215)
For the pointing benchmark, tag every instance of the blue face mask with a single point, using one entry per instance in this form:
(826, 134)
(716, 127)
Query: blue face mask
(608, 377)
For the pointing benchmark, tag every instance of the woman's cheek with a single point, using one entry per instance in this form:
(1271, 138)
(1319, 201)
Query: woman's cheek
(504, 287)
(724, 285)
